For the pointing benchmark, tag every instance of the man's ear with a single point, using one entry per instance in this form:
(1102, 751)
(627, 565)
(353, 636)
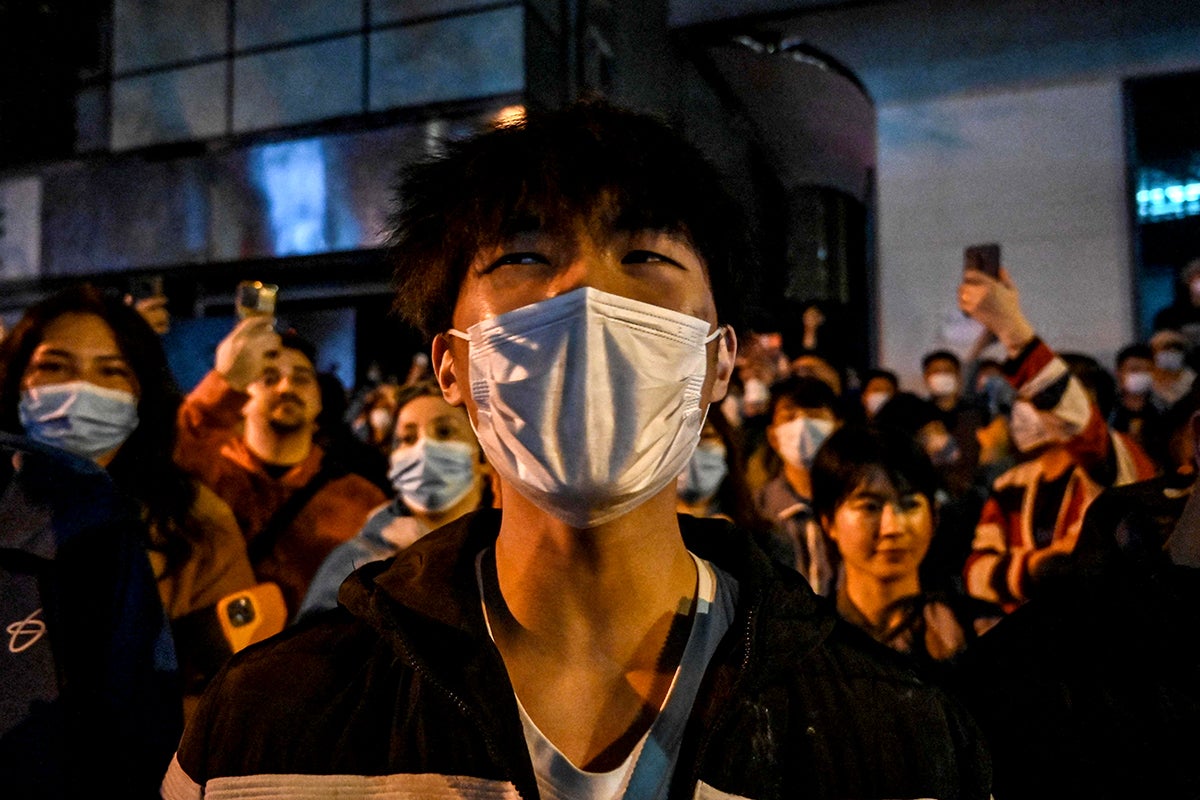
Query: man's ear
(827, 527)
(446, 370)
(726, 356)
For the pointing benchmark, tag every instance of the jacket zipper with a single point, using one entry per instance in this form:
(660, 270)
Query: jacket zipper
(488, 742)
(726, 709)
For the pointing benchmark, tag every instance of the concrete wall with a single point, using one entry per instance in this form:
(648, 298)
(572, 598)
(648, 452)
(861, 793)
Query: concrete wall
(999, 120)
(1042, 171)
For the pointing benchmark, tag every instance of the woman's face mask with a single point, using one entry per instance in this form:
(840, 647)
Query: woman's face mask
(79, 392)
(942, 384)
(1169, 360)
(704, 473)
(798, 440)
(432, 476)
(77, 416)
(1027, 428)
(1138, 382)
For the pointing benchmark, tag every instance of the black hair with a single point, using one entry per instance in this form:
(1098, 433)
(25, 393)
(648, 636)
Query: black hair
(291, 340)
(941, 355)
(806, 392)
(588, 161)
(1098, 381)
(885, 374)
(1135, 350)
(853, 452)
(907, 412)
(144, 467)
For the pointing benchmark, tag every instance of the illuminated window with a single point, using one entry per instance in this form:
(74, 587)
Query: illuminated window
(291, 176)
(1163, 196)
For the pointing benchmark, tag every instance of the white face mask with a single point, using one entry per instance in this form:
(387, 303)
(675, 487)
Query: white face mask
(755, 393)
(588, 403)
(873, 401)
(705, 471)
(1026, 427)
(380, 420)
(942, 384)
(80, 417)
(1137, 382)
(431, 475)
(799, 439)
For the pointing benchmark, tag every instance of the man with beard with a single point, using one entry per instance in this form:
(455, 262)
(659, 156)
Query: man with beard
(247, 431)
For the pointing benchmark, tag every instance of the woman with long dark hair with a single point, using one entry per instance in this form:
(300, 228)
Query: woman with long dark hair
(83, 372)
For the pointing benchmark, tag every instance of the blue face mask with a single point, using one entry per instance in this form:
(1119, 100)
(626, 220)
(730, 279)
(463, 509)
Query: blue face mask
(79, 417)
(704, 473)
(432, 475)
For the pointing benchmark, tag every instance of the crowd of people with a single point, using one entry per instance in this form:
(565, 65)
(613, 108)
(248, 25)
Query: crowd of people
(605, 540)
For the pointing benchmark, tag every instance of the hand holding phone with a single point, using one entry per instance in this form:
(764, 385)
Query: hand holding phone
(983, 257)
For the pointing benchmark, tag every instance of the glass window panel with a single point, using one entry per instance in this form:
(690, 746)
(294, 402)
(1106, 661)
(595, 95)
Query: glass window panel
(20, 228)
(91, 119)
(268, 22)
(327, 193)
(150, 33)
(386, 11)
(107, 216)
(449, 59)
(299, 84)
(170, 106)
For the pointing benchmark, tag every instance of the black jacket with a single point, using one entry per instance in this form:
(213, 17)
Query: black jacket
(90, 694)
(403, 679)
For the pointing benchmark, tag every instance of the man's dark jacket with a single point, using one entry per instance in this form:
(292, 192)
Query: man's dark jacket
(404, 679)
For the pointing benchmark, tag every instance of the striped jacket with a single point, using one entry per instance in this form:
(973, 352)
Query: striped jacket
(1038, 505)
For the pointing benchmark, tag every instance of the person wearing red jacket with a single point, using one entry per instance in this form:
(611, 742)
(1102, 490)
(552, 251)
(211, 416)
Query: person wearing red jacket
(1031, 520)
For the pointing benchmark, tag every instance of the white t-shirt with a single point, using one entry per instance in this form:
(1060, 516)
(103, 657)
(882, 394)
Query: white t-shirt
(646, 773)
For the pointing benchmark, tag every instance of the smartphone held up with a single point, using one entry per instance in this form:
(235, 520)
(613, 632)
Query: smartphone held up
(255, 299)
(983, 257)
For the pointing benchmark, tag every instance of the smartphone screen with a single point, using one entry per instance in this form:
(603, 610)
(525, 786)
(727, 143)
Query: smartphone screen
(983, 257)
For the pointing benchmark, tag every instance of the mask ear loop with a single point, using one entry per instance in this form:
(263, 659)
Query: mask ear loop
(712, 337)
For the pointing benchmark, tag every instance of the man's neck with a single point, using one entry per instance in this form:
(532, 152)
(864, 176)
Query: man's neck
(583, 621)
(1134, 402)
(274, 447)
(875, 599)
(799, 478)
(633, 566)
(946, 402)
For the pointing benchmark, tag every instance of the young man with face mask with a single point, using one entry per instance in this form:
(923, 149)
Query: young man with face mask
(1134, 413)
(1031, 520)
(1171, 377)
(961, 414)
(803, 412)
(576, 272)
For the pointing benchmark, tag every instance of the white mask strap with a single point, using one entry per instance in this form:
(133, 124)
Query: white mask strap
(459, 334)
